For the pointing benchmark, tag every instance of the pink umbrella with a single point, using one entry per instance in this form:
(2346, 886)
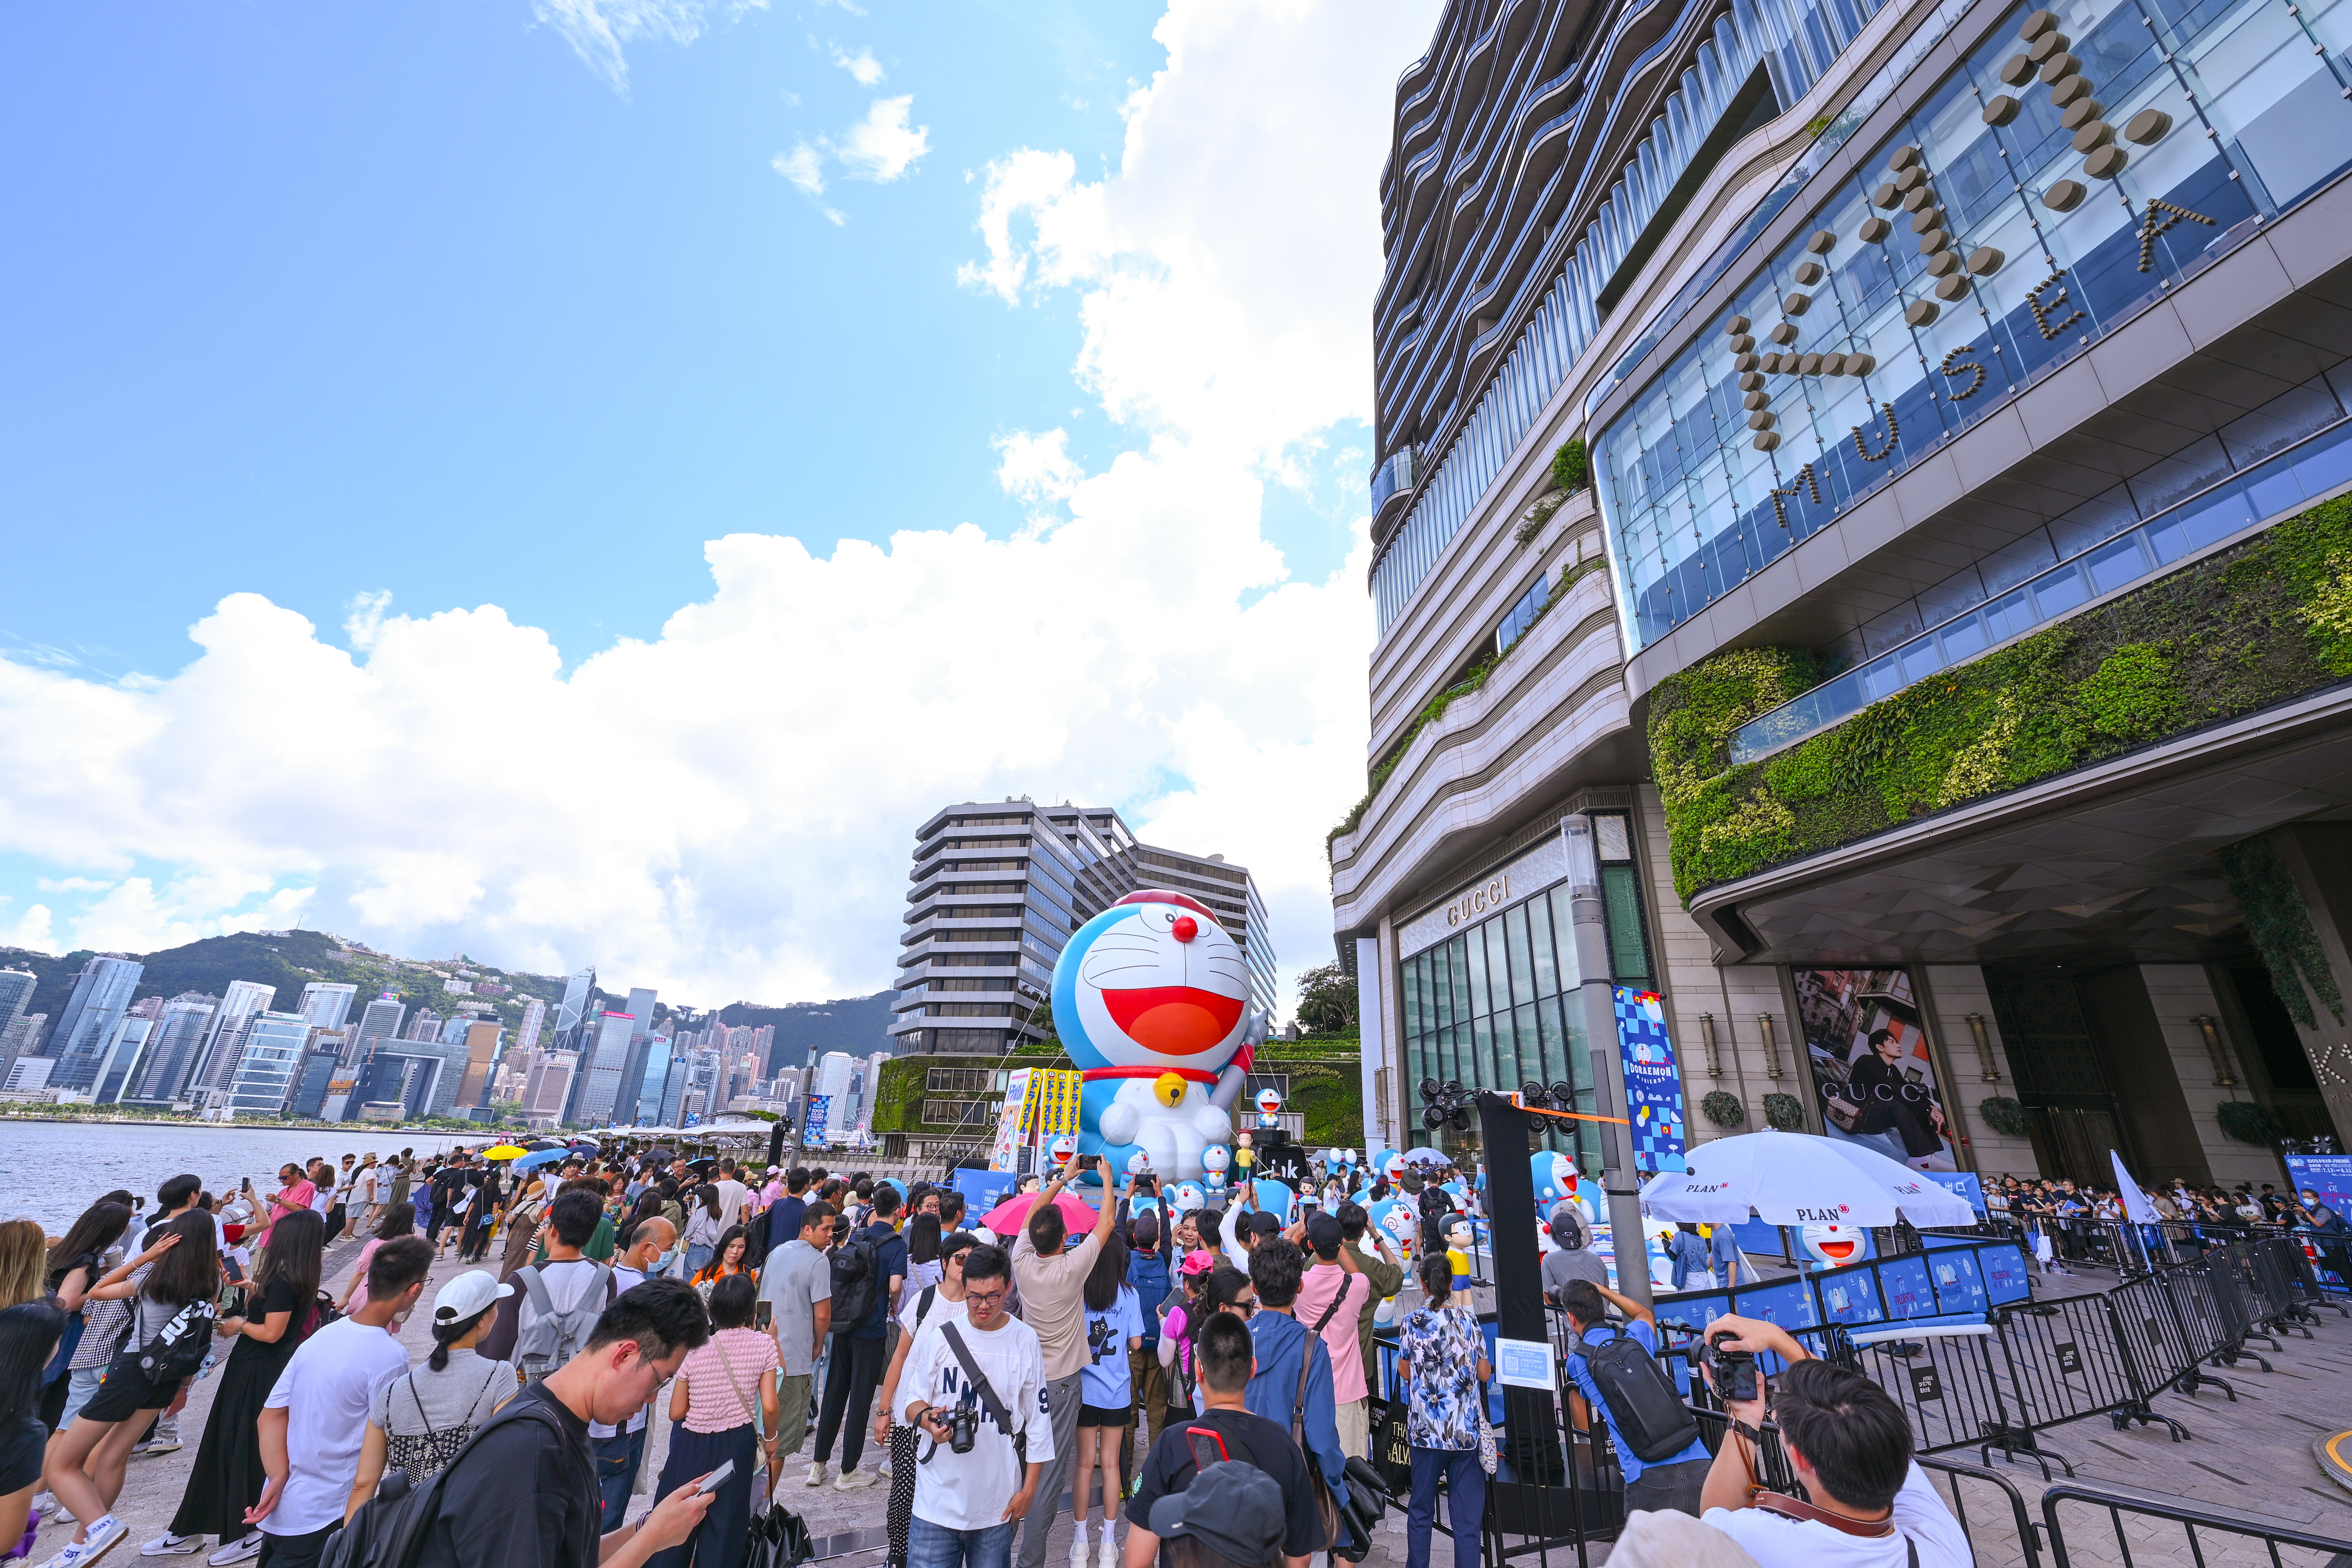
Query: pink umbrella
(1007, 1217)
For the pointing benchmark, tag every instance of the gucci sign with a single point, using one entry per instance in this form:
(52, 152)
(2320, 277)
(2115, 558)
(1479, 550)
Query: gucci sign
(1490, 894)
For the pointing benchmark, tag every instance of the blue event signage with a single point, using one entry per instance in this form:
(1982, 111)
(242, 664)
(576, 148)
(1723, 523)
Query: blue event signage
(2329, 1175)
(1654, 1088)
(813, 1129)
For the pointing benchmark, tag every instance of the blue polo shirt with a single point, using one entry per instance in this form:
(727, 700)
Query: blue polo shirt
(1600, 1334)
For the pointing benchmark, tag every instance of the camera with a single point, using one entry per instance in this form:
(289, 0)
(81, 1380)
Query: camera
(1733, 1372)
(963, 1428)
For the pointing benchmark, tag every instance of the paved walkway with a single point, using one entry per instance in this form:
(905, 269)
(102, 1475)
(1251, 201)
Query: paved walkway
(2252, 1457)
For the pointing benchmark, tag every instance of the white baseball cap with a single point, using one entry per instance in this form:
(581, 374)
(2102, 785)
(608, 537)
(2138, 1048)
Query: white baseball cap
(468, 1294)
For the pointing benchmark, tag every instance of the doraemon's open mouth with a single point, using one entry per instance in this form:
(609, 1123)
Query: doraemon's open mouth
(1174, 1020)
(1837, 1251)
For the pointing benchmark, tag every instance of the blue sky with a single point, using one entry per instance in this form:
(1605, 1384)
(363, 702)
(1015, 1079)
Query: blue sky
(516, 305)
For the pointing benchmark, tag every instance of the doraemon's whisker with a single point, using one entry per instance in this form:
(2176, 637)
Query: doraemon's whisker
(1095, 975)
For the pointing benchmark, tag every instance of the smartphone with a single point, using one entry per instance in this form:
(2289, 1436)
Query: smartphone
(715, 1480)
(762, 1319)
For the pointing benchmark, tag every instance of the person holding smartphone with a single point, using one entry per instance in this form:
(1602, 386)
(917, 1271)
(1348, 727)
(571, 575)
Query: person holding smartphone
(724, 1411)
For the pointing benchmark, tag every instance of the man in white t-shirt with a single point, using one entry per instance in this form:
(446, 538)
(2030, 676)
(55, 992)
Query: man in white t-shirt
(958, 1523)
(730, 1196)
(313, 1421)
(1849, 1443)
(621, 1449)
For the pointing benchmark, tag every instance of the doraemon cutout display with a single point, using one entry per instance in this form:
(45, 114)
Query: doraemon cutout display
(1184, 1197)
(1276, 1198)
(1391, 1166)
(1153, 999)
(1399, 1221)
(1214, 1161)
(1139, 1163)
(1834, 1245)
(1269, 1106)
(1063, 1148)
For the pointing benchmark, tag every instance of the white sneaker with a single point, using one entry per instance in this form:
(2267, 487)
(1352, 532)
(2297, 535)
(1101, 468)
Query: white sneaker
(236, 1551)
(1109, 1548)
(1078, 1547)
(60, 1513)
(103, 1535)
(170, 1545)
(883, 1469)
(820, 1473)
(850, 1481)
(155, 1446)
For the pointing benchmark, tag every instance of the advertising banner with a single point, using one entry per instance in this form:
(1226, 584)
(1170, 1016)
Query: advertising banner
(1006, 1154)
(1057, 1103)
(1873, 1074)
(813, 1131)
(1654, 1088)
(2329, 1175)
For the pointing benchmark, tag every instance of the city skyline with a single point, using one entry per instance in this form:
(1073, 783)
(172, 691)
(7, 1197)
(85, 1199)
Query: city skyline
(1128, 360)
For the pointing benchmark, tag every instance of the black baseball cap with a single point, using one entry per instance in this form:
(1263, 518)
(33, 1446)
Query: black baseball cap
(1323, 1232)
(1231, 1508)
(1263, 1224)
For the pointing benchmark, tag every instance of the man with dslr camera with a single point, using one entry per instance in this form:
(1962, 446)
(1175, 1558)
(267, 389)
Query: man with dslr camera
(975, 1387)
(1850, 1446)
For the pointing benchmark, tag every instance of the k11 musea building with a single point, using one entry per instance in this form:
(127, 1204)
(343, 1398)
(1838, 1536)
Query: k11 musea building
(1860, 488)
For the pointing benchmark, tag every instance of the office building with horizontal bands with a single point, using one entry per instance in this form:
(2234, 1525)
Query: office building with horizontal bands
(998, 889)
(1860, 491)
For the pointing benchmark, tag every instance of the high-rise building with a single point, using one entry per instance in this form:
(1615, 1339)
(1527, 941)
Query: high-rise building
(269, 1059)
(534, 1018)
(572, 1012)
(379, 1021)
(1792, 432)
(481, 1052)
(171, 1056)
(674, 1086)
(216, 1063)
(16, 986)
(327, 1005)
(321, 1064)
(998, 890)
(122, 1056)
(547, 1087)
(597, 1086)
(85, 1030)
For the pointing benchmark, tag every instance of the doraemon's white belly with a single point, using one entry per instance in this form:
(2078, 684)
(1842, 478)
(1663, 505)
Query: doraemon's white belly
(1174, 1135)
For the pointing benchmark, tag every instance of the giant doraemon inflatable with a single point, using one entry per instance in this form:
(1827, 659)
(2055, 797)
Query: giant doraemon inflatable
(1153, 1000)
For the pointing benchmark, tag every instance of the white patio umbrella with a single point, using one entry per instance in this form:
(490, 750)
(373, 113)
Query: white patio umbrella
(1796, 1178)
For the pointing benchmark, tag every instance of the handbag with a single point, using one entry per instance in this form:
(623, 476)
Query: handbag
(1488, 1445)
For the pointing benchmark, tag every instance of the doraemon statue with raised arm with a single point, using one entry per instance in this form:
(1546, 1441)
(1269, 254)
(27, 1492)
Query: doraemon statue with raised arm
(1153, 1000)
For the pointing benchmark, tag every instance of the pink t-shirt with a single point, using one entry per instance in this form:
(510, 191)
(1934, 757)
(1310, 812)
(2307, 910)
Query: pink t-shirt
(722, 1379)
(1316, 1290)
(294, 1200)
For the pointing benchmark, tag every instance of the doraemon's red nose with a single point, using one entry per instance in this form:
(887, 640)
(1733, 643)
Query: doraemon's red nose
(1185, 929)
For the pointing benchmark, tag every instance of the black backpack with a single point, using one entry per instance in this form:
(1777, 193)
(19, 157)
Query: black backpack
(855, 1285)
(391, 1527)
(1643, 1405)
(178, 1349)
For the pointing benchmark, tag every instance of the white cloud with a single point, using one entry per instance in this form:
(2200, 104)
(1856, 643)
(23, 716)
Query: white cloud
(596, 29)
(863, 67)
(804, 166)
(883, 146)
(1150, 649)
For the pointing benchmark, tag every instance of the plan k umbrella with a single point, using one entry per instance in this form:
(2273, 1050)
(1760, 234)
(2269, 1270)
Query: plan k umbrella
(1795, 1178)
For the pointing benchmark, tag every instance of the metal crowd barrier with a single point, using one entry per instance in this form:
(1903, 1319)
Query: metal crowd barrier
(2201, 1551)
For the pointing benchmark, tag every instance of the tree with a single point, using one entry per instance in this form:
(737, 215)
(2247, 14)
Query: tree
(1327, 1000)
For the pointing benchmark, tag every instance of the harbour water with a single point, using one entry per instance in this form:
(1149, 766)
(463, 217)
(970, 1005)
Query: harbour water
(51, 1171)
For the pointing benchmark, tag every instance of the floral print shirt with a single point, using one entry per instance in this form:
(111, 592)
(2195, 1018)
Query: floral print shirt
(1442, 1348)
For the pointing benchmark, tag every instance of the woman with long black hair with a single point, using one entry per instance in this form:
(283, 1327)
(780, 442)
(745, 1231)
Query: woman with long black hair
(28, 1337)
(75, 1264)
(482, 1215)
(226, 1479)
(170, 1286)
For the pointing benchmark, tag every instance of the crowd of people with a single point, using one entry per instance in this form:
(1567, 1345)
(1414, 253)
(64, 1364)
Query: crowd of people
(1191, 1384)
(2063, 1224)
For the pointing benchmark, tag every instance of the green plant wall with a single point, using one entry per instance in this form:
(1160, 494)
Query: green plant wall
(2268, 620)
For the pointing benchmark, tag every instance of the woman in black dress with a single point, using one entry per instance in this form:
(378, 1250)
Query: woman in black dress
(481, 1216)
(281, 1310)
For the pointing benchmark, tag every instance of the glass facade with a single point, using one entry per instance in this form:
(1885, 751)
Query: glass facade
(1794, 42)
(266, 1067)
(1495, 1006)
(1701, 486)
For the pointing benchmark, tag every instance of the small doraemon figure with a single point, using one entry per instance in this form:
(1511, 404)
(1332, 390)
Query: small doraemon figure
(1832, 1246)
(1213, 1160)
(1269, 1107)
(1062, 1148)
(1186, 1196)
(1139, 1163)
(1460, 1238)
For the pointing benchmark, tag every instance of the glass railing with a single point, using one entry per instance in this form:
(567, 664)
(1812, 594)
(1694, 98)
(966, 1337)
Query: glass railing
(2283, 484)
(1391, 476)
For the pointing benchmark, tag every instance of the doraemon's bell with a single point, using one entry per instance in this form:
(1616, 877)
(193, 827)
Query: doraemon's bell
(1168, 1089)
